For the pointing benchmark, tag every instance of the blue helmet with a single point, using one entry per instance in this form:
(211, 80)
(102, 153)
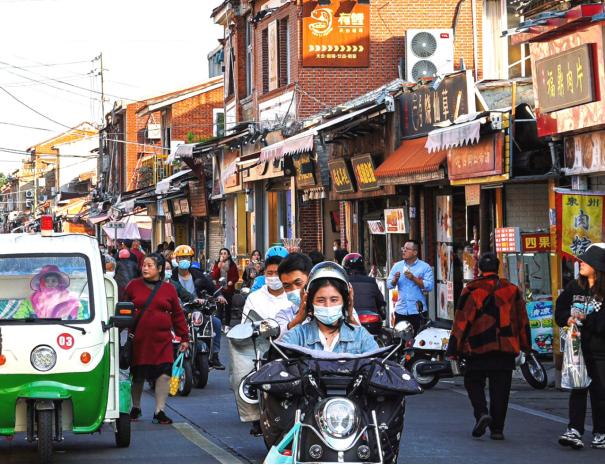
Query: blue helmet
(277, 251)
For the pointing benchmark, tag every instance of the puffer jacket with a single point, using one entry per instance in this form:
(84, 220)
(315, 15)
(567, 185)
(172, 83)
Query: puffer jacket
(490, 319)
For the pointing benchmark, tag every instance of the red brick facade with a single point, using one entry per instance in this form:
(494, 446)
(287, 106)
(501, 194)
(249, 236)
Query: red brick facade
(311, 226)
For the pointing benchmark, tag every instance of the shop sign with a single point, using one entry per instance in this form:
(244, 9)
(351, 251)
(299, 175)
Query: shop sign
(197, 197)
(363, 168)
(336, 35)
(475, 161)
(579, 221)
(425, 107)
(396, 221)
(565, 79)
(229, 174)
(305, 170)
(508, 240)
(339, 172)
(584, 153)
(472, 194)
(184, 204)
(535, 242)
(167, 211)
(176, 207)
(540, 322)
(376, 227)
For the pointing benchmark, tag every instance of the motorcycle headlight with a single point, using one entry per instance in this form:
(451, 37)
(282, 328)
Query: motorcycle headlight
(43, 358)
(338, 417)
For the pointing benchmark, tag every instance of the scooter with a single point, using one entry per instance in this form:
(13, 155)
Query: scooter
(373, 322)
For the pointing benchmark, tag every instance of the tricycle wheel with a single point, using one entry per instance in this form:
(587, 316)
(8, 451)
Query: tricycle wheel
(534, 372)
(426, 381)
(186, 381)
(123, 430)
(203, 367)
(45, 435)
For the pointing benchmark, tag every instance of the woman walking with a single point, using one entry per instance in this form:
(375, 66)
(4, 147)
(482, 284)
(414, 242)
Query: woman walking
(254, 268)
(226, 268)
(581, 303)
(158, 311)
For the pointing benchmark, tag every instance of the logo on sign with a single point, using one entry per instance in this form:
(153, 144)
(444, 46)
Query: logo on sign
(65, 341)
(323, 25)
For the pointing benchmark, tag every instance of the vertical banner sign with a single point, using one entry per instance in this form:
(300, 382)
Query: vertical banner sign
(336, 35)
(579, 221)
(273, 56)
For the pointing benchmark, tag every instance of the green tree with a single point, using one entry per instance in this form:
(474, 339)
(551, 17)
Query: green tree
(3, 180)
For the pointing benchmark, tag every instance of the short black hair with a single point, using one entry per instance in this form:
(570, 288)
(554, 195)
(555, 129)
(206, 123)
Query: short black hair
(295, 262)
(415, 242)
(489, 262)
(274, 260)
(337, 242)
(160, 263)
(128, 243)
(316, 257)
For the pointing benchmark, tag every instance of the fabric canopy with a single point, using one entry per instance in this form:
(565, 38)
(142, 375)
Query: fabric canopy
(457, 135)
(128, 231)
(411, 162)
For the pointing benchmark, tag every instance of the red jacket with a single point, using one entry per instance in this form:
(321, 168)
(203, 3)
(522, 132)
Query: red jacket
(153, 336)
(490, 318)
(232, 276)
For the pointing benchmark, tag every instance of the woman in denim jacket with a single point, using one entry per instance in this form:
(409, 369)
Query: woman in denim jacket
(332, 327)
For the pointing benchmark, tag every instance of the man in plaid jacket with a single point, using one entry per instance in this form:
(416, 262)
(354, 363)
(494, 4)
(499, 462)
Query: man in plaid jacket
(490, 328)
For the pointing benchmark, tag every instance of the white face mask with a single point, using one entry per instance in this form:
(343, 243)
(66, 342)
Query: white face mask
(273, 283)
(111, 274)
(334, 248)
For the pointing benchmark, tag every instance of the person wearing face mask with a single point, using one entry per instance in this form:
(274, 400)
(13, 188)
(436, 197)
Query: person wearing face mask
(328, 301)
(270, 298)
(275, 251)
(294, 274)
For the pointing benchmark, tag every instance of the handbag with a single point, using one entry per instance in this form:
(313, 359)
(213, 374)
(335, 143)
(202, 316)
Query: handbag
(127, 350)
(573, 374)
(177, 372)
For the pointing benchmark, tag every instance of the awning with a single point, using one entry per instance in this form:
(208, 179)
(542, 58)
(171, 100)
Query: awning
(457, 135)
(303, 142)
(411, 163)
(98, 219)
(182, 151)
(163, 186)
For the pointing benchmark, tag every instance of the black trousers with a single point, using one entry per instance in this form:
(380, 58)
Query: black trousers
(499, 392)
(414, 320)
(578, 399)
(225, 311)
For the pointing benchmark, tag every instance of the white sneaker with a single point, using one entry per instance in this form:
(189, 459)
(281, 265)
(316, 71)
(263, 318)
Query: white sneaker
(571, 438)
(598, 441)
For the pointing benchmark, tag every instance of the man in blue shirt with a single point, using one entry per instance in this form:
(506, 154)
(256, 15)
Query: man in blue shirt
(413, 278)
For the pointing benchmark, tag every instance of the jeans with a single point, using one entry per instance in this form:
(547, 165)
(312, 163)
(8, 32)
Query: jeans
(499, 391)
(216, 340)
(578, 399)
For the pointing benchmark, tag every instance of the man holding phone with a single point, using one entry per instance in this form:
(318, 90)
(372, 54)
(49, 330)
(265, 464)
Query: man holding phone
(411, 277)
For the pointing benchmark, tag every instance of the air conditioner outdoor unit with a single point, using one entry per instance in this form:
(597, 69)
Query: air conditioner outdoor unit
(428, 52)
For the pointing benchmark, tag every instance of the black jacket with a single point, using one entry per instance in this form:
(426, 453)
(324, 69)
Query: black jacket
(202, 283)
(126, 271)
(367, 295)
(593, 327)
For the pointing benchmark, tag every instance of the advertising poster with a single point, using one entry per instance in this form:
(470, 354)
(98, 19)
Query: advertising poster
(444, 218)
(540, 321)
(445, 255)
(376, 227)
(395, 221)
(445, 308)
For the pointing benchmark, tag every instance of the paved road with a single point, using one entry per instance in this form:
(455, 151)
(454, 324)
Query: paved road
(437, 430)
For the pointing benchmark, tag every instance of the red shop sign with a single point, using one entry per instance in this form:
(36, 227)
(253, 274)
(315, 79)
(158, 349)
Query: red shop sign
(475, 161)
(536, 242)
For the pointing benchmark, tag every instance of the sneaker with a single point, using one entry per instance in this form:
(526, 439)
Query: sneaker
(161, 418)
(598, 441)
(135, 413)
(482, 424)
(496, 436)
(216, 363)
(571, 438)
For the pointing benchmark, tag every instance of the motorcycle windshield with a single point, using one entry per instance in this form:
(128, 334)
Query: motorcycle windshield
(322, 355)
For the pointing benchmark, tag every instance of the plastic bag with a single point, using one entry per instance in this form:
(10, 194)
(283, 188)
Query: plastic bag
(177, 372)
(573, 374)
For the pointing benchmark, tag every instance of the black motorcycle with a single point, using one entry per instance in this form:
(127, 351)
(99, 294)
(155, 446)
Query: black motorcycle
(201, 331)
(324, 407)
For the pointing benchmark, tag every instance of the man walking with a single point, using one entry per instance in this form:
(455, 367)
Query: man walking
(412, 277)
(490, 328)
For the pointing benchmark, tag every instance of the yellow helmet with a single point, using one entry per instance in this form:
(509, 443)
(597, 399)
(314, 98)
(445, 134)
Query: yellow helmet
(183, 251)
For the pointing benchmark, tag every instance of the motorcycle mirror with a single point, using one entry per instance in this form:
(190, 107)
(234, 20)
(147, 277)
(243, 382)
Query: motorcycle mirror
(241, 331)
(404, 330)
(269, 328)
(222, 281)
(245, 290)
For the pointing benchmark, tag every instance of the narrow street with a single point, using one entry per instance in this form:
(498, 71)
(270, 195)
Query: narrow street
(206, 429)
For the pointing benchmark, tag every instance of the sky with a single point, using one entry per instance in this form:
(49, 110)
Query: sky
(149, 47)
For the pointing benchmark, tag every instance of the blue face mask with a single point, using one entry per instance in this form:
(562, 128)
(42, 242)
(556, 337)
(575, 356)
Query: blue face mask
(184, 264)
(294, 297)
(328, 315)
(168, 274)
(174, 263)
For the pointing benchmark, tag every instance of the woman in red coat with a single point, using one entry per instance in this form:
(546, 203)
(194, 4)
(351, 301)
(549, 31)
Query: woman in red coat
(226, 268)
(153, 354)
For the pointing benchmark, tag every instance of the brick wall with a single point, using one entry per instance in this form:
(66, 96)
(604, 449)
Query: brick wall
(527, 206)
(311, 226)
(195, 115)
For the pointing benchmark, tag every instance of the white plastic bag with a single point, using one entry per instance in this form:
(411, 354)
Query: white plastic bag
(573, 374)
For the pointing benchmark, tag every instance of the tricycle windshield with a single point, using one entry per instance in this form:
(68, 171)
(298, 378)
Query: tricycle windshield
(44, 288)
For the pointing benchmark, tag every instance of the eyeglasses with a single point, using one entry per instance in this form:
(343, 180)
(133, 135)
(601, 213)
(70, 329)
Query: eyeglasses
(403, 249)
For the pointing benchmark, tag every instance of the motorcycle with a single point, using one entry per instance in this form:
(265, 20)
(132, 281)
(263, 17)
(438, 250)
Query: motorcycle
(201, 332)
(330, 407)
(373, 322)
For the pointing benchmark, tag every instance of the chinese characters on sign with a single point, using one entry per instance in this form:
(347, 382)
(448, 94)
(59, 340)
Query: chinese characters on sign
(580, 222)
(424, 107)
(363, 167)
(336, 35)
(565, 79)
(339, 172)
(305, 170)
(508, 240)
(482, 159)
(535, 242)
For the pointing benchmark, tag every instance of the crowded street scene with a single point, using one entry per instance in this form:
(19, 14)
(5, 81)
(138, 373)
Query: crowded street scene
(302, 231)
